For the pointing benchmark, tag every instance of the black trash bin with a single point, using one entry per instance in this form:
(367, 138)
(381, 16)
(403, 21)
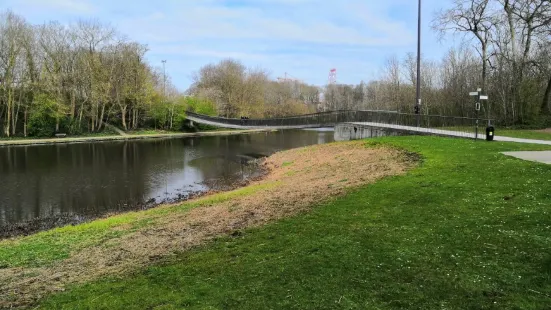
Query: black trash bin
(490, 133)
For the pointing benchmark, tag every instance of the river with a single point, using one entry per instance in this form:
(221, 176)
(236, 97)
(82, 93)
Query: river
(87, 180)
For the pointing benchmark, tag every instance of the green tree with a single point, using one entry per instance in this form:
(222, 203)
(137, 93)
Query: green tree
(45, 114)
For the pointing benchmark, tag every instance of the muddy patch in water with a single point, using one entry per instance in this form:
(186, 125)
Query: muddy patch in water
(253, 165)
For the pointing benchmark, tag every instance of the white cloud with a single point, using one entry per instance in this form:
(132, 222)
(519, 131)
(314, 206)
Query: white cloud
(219, 22)
(303, 37)
(195, 50)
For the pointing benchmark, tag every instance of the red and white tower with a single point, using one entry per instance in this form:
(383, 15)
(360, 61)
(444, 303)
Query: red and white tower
(332, 76)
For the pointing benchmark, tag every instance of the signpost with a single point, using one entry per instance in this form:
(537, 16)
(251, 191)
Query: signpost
(477, 105)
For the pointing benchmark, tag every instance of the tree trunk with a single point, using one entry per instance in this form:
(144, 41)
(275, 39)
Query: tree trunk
(123, 115)
(546, 99)
(130, 113)
(14, 118)
(25, 122)
(93, 120)
(73, 105)
(100, 123)
(136, 112)
(80, 112)
(484, 65)
(16, 114)
(8, 114)
(171, 116)
(514, 82)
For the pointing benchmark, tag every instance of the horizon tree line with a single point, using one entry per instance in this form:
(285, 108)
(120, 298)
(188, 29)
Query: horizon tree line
(80, 78)
(77, 79)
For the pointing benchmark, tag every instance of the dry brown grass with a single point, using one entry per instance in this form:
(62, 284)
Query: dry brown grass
(304, 178)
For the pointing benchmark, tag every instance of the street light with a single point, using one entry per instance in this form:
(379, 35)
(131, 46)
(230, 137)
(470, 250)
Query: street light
(418, 101)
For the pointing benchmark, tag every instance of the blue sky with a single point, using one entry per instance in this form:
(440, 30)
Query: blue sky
(305, 38)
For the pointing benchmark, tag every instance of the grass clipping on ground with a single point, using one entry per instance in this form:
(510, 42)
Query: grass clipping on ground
(296, 181)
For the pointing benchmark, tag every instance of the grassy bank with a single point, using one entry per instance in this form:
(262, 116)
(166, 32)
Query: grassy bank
(45, 248)
(544, 134)
(105, 133)
(526, 133)
(46, 262)
(469, 229)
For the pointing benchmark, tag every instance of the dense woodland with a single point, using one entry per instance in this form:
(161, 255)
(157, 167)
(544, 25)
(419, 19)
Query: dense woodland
(79, 78)
(237, 91)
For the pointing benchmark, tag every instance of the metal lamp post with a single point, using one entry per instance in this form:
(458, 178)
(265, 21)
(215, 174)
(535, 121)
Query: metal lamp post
(418, 101)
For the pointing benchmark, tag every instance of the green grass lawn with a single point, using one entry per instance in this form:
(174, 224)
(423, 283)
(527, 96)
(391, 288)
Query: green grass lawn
(524, 133)
(514, 133)
(468, 229)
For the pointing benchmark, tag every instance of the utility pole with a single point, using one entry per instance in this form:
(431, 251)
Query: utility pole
(418, 101)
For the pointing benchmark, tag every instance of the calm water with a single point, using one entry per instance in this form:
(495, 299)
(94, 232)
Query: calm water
(97, 178)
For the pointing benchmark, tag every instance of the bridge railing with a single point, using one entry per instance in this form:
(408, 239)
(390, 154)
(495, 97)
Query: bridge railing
(456, 123)
(322, 118)
(462, 124)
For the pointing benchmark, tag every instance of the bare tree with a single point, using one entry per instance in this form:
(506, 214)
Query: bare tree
(12, 31)
(469, 17)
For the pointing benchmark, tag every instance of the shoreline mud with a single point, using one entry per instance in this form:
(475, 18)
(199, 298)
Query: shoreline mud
(39, 224)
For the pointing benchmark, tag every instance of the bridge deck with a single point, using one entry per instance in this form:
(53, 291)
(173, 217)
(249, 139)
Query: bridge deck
(389, 120)
(234, 126)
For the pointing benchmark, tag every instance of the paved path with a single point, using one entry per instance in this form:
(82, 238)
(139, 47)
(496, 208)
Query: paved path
(127, 137)
(539, 156)
(449, 133)
(520, 140)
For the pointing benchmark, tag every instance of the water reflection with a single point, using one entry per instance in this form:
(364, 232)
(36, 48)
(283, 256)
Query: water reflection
(96, 178)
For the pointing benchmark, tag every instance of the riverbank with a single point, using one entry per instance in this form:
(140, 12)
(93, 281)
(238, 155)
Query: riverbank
(36, 225)
(467, 228)
(297, 180)
(536, 134)
(130, 136)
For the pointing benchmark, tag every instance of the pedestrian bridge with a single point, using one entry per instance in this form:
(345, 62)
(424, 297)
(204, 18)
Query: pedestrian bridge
(332, 118)
(323, 119)
(358, 124)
